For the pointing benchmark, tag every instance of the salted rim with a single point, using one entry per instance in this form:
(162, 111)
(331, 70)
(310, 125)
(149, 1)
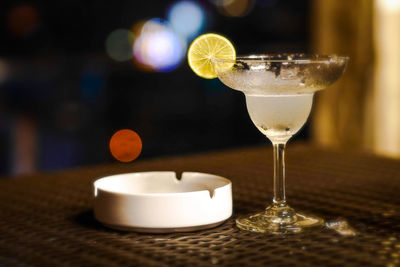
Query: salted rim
(277, 58)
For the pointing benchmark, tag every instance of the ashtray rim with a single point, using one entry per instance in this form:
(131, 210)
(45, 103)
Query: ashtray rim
(102, 179)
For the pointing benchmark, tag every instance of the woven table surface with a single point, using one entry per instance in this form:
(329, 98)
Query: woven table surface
(46, 219)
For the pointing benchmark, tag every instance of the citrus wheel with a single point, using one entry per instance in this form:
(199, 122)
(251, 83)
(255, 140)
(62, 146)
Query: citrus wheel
(206, 47)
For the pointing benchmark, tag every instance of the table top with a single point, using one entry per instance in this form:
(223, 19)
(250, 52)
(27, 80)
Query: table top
(47, 219)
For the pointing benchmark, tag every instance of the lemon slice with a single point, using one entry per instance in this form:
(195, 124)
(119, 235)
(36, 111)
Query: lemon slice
(204, 48)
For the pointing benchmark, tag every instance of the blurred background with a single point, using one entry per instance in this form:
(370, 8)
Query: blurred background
(72, 73)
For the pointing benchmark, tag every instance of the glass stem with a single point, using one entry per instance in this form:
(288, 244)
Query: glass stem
(279, 175)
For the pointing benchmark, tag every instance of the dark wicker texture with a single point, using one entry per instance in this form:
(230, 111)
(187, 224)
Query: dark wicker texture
(46, 219)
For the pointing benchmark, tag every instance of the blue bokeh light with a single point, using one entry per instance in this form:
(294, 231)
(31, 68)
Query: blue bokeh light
(91, 84)
(186, 18)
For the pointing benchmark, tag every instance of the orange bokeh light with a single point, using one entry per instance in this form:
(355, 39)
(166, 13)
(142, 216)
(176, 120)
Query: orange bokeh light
(125, 145)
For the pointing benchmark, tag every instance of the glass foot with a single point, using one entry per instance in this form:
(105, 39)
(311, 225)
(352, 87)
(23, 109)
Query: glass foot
(279, 220)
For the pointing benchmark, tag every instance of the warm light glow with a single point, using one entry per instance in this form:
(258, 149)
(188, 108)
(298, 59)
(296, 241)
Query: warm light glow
(158, 46)
(221, 3)
(387, 78)
(25, 147)
(234, 8)
(22, 20)
(119, 45)
(186, 18)
(125, 145)
(4, 69)
(389, 5)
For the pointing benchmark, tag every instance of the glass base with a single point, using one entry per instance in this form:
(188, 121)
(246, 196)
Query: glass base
(279, 220)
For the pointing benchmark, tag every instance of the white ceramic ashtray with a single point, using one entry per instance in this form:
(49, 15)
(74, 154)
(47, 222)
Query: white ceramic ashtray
(158, 202)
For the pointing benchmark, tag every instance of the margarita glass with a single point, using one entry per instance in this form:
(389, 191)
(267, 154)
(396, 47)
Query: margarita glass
(279, 92)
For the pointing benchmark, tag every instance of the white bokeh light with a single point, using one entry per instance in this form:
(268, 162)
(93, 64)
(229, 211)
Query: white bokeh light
(158, 46)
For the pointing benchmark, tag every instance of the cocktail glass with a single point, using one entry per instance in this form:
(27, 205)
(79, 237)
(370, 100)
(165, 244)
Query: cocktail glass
(279, 92)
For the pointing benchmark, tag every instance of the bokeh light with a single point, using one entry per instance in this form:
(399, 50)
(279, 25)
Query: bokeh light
(91, 84)
(119, 45)
(234, 8)
(70, 116)
(4, 69)
(125, 145)
(391, 5)
(158, 46)
(23, 20)
(186, 18)
(137, 28)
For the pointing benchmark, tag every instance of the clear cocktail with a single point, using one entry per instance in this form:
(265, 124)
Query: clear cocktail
(279, 92)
